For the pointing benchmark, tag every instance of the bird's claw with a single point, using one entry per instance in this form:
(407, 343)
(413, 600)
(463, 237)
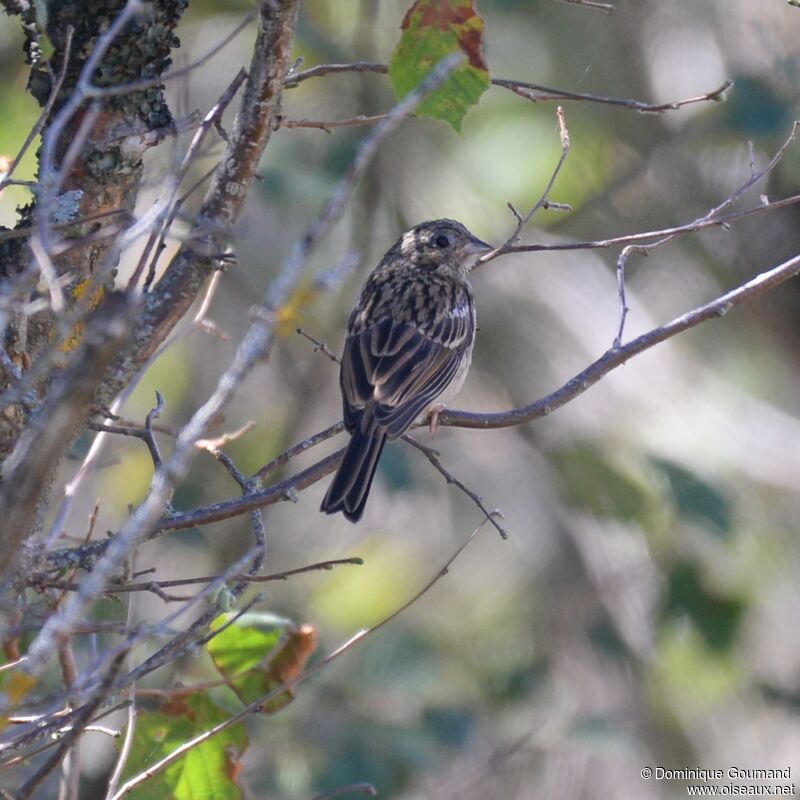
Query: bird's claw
(433, 418)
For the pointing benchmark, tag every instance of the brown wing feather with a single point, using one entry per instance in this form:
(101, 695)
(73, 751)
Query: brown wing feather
(391, 371)
(409, 337)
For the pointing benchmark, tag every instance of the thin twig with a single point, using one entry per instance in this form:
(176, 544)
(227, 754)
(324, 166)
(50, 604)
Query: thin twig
(179, 72)
(149, 437)
(576, 386)
(145, 432)
(607, 7)
(256, 706)
(167, 216)
(128, 429)
(319, 347)
(76, 728)
(645, 249)
(646, 236)
(130, 728)
(297, 78)
(200, 318)
(214, 445)
(149, 586)
(433, 456)
(51, 179)
(256, 515)
(328, 124)
(542, 202)
(537, 93)
(43, 117)
(276, 28)
(530, 91)
(27, 230)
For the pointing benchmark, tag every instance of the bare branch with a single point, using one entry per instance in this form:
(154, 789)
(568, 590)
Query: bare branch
(255, 346)
(679, 230)
(27, 230)
(530, 91)
(306, 444)
(619, 355)
(542, 202)
(214, 446)
(256, 706)
(319, 347)
(201, 254)
(353, 788)
(149, 438)
(644, 249)
(327, 125)
(256, 516)
(44, 116)
(576, 386)
(155, 243)
(145, 432)
(26, 472)
(149, 586)
(606, 7)
(77, 727)
(536, 92)
(297, 78)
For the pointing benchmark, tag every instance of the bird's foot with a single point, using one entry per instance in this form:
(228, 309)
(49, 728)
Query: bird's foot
(433, 418)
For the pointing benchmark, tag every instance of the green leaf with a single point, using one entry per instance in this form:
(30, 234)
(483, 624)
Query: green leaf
(209, 770)
(432, 30)
(245, 643)
(258, 653)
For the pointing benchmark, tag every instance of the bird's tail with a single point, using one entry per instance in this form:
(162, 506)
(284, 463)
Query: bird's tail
(350, 487)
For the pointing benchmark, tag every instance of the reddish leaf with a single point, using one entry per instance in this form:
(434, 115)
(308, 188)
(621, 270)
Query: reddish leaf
(432, 29)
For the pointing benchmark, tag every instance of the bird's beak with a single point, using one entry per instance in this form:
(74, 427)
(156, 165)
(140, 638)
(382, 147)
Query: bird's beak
(476, 247)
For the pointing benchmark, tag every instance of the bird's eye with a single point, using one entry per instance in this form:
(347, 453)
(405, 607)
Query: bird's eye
(441, 241)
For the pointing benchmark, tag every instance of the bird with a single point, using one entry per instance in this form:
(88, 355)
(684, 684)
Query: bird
(408, 345)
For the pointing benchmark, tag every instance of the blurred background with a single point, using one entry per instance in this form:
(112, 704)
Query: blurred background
(644, 611)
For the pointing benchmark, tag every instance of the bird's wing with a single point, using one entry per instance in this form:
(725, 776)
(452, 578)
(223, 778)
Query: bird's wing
(401, 369)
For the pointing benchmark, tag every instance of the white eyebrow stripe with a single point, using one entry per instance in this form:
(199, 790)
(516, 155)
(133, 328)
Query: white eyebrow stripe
(409, 243)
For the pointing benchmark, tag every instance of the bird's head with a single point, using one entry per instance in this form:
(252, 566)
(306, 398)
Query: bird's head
(442, 243)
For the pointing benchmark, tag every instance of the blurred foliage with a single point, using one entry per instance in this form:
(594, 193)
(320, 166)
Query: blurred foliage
(340, 601)
(593, 484)
(697, 499)
(644, 609)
